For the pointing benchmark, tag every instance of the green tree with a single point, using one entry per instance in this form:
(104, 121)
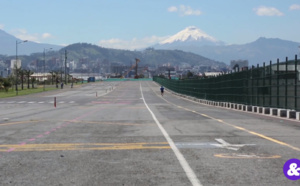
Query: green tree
(52, 76)
(33, 80)
(1, 83)
(28, 73)
(7, 84)
(189, 74)
(21, 75)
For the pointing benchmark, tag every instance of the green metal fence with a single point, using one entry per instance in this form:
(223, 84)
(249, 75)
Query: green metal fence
(275, 85)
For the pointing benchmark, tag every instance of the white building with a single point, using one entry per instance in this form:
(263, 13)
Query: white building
(13, 63)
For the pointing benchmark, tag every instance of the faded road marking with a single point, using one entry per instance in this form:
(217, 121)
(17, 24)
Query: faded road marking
(237, 127)
(184, 164)
(247, 156)
(83, 146)
(19, 122)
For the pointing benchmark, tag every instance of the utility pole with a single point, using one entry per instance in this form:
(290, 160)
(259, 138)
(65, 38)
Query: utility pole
(61, 67)
(66, 67)
(136, 67)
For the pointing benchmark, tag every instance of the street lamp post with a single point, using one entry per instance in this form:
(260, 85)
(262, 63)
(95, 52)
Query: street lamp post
(16, 64)
(45, 64)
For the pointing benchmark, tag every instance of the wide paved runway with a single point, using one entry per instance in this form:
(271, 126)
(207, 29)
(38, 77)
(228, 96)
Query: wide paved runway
(126, 133)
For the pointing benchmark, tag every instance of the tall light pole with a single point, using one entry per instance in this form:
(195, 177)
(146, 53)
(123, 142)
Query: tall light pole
(16, 64)
(45, 64)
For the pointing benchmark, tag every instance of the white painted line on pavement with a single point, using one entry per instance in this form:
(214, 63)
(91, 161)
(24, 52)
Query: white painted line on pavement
(184, 164)
(226, 145)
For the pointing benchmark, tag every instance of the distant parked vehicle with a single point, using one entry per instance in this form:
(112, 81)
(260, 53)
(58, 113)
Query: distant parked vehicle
(91, 79)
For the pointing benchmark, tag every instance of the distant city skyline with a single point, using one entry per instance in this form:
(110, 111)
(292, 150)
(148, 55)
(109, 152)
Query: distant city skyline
(135, 24)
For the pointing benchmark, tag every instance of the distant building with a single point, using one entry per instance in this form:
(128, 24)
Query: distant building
(72, 65)
(173, 74)
(41, 76)
(209, 74)
(13, 63)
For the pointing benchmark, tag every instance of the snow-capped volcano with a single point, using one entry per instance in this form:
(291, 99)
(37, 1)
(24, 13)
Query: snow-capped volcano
(192, 34)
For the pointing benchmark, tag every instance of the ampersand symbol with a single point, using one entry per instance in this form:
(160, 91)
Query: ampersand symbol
(293, 171)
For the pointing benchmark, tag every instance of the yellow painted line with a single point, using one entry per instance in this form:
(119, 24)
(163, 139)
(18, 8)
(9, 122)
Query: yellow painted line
(84, 146)
(237, 127)
(20, 122)
(246, 156)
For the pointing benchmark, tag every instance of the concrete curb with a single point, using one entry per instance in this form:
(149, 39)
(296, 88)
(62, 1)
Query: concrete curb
(275, 112)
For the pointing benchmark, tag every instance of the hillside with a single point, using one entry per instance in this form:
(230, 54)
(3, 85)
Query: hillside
(148, 56)
(95, 56)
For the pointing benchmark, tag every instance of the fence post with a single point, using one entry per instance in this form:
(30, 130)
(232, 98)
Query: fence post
(270, 81)
(252, 84)
(296, 80)
(286, 82)
(277, 83)
(264, 76)
(257, 85)
(247, 87)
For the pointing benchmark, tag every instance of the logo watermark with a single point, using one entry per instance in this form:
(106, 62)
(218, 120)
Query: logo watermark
(291, 169)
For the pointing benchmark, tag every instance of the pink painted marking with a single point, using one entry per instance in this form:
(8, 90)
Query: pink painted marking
(11, 149)
(58, 127)
(48, 132)
(53, 129)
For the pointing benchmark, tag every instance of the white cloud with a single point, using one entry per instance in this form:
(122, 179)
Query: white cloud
(35, 37)
(23, 35)
(267, 11)
(132, 44)
(1, 26)
(172, 9)
(46, 35)
(295, 7)
(184, 10)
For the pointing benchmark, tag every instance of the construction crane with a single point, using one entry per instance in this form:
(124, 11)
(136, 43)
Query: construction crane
(134, 65)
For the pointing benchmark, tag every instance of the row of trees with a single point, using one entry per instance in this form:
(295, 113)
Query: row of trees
(23, 76)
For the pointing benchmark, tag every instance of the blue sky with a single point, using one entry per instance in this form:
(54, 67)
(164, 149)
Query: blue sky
(133, 24)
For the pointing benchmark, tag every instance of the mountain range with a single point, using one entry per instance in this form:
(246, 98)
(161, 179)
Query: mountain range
(262, 50)
(8, 45)
(94, 56)
(191, 39)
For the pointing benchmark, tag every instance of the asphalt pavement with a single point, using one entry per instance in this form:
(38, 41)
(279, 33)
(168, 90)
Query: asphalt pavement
(126, 133)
